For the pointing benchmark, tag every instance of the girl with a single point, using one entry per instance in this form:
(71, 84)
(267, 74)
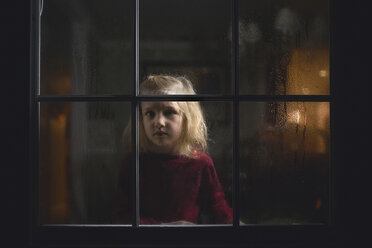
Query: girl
(177, 179)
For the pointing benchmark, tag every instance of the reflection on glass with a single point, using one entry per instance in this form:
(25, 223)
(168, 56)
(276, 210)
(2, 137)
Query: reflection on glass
(284, 47)
(284, 162)
(187, 38)
(80, 154)
(85, 47)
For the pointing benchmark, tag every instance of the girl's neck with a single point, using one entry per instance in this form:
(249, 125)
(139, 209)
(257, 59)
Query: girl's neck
(194, 154)
(164, 150)
(162, 156)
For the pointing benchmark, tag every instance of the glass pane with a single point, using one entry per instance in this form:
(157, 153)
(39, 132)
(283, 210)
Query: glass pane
(284, 47)
(180, 184)
(86, 47)
(284, 162)
(189, 38)
(81, 152)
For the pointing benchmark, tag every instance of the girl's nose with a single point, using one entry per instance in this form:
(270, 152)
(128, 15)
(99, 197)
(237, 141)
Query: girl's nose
(160, 121)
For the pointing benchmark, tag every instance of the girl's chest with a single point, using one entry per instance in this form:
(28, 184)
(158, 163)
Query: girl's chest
(170, 178)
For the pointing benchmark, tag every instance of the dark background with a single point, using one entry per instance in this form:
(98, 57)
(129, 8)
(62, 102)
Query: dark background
(351, 64)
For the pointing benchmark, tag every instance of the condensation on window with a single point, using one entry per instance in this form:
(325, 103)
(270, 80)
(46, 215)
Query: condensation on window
(284, 47)
(284, 162)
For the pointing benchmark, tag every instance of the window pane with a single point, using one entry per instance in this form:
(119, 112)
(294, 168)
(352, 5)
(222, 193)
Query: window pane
(86, 47)
(189, 38)
(174, 187)
(80, 155)
(284, 162)
(284, 47)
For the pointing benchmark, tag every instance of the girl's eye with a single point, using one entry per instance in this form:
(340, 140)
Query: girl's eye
(170, 112)
(150, 114)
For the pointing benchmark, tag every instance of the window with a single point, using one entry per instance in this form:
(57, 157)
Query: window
(262, 74)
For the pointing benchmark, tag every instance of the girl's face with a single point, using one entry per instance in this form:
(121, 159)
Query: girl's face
(163, 122)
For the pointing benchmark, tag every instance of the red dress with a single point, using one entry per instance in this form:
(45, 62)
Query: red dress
(172, 188)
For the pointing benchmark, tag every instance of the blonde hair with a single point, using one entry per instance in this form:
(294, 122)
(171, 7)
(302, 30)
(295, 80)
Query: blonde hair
(194, 133)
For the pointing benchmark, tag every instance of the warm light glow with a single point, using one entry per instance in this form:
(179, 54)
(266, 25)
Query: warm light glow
(61, 85)
(322, 120)
(59, 208)
(318, 203)
(321, 146)
(295, 117)
(308, 72)
(322, 73)
(61, 118)
(298, 116)
(306, 91)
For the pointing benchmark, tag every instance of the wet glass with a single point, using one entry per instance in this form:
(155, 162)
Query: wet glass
(284, 163)
(190, 38)
(284, 47)
(80, 153)
(176, 182)
(85, 47)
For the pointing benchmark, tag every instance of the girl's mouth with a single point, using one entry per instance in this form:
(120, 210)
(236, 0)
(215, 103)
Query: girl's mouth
(160, 133)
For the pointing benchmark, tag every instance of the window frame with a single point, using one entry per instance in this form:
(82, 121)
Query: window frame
(216, 235)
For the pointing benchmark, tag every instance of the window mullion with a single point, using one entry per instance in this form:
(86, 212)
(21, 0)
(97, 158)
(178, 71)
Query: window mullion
(134, 113)
(135, 172)
(34, 111)
(235, 80)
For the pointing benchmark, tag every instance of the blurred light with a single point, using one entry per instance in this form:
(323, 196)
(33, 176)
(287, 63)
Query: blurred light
(321, 146)
(298, 116)
(295, 117)
(306, 91)
(308, 70)
(62, 118)
(253, 32)
(323, 73)
(249, 33)
(318, 203)
(286, 21)
(59, 207)
(322, 120)
(61, 85)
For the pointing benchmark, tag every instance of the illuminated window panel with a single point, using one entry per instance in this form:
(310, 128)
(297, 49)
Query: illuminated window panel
(284, 163)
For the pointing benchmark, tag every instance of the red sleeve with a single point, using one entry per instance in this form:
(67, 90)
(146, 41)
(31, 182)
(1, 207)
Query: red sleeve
(213, 196)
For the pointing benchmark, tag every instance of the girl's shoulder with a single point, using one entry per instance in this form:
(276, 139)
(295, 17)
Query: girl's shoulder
(203, 158)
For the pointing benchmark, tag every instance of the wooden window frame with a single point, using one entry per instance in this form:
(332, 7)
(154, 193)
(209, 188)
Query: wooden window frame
(127, 236)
